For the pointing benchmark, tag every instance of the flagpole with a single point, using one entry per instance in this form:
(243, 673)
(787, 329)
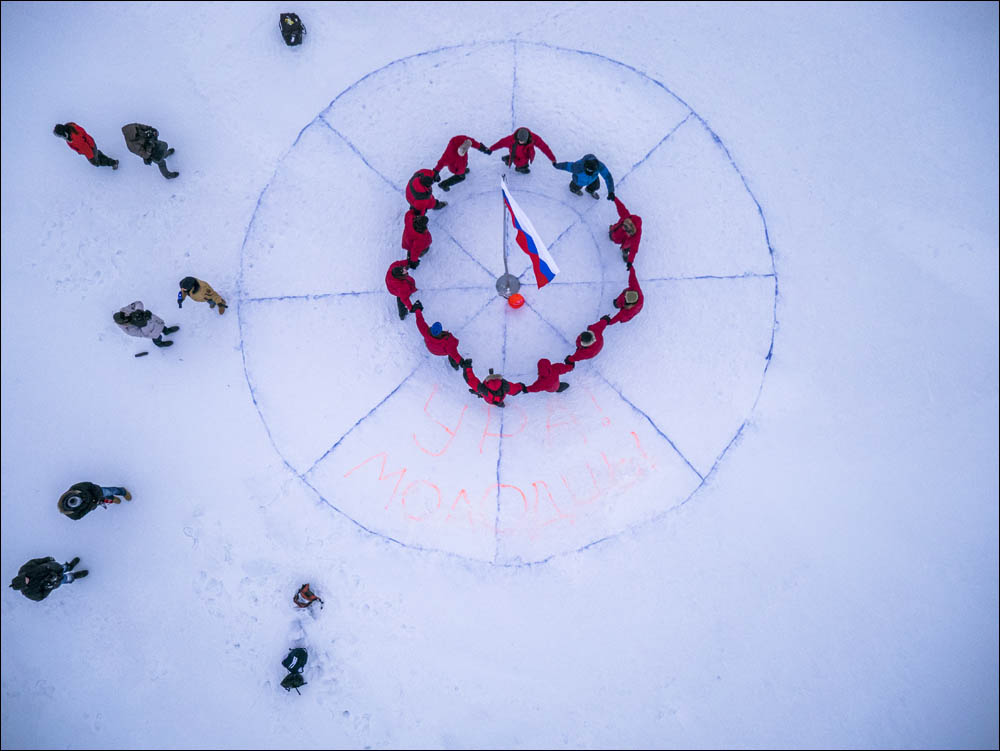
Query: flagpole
(503, 216)
(507, 284)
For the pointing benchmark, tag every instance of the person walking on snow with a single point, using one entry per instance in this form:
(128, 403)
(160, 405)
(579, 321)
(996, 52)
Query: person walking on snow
(419, 193)
(590, 342)
(81, 142)
(135, 321)
(456, 159)
(144, 140)
(586, 171)
(416, 237)
(626, 232)
(200, 291)
(439, 342)
(548, 377)
(84, 497)
(401, 285)
(521, 145)
(629, 302)
(38, 577)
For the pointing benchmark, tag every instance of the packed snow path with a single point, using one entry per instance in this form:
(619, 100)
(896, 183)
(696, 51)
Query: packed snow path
(388, 434)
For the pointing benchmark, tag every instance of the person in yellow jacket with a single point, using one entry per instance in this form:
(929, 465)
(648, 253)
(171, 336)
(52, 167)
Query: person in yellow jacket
(200, 291)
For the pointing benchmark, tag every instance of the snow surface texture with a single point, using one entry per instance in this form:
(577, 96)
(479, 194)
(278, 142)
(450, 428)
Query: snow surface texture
(833, 582)
(571, 468)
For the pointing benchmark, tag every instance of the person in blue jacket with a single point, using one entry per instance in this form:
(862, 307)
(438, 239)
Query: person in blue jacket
(586, 172)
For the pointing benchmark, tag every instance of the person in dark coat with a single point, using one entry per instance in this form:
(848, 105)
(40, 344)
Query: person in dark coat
(586, 171)
(521, 145)
(84, 497)
(200, 291)
(590, 342)
(456, 159)
(136, 321)
(144, 141)
(416, 237)
(626, 232)
(419, 192)
(548, 377)
(629, 302)
(81, 142)
(38, 577)
(401, 285)
(439, 342)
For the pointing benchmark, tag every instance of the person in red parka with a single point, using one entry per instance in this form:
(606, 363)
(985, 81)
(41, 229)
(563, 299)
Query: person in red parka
(590, 342)
(416, 237)
(522, 143)
(548, 377)
(627, 232)
(419, 193)
(401, 285)
(456, 159)
(439, 342)
(80, 141)
(495, 388)
(629, 302)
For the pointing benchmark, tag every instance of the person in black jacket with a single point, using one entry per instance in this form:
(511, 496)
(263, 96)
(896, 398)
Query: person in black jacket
(39, 576)
(144, 141)
(84, 497)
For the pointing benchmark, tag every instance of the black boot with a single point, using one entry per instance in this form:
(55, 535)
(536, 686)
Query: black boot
(440, 205)
(574, 188)
(562, 387)
(72, 564)
(78, 575)
(592, 192)
(158, 341)
(453, 180)
(171, 329)
(524, 170)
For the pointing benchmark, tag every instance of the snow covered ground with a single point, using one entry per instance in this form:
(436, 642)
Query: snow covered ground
(765, 515)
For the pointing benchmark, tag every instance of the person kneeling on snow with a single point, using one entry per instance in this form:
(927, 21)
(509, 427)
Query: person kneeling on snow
(200, 291)
(135, 321)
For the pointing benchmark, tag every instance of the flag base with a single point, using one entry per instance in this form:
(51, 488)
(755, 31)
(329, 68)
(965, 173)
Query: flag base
(507, 285)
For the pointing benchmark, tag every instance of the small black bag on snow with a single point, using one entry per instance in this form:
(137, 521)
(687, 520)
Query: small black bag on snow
(292, 29)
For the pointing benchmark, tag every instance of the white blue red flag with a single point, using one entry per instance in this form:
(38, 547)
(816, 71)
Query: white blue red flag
(529, 240)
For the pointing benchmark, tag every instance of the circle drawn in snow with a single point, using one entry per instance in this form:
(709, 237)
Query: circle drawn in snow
(364, 416)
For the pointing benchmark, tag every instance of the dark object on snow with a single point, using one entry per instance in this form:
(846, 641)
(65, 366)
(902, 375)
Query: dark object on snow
(141, 354)
(292, 29)
(293, 663)
(39, 576)
(295, 660)
(293, 680)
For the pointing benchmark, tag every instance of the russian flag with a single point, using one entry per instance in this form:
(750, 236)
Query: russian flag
(529, 240)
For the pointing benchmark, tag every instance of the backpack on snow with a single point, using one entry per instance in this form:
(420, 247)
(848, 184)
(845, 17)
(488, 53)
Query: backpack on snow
(292, 29)
(293, 680)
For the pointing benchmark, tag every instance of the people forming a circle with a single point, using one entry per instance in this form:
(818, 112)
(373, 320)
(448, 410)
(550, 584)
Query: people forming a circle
(587, 173)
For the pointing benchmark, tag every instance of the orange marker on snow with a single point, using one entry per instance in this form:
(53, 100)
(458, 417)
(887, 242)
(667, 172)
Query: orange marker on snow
(516, 300)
